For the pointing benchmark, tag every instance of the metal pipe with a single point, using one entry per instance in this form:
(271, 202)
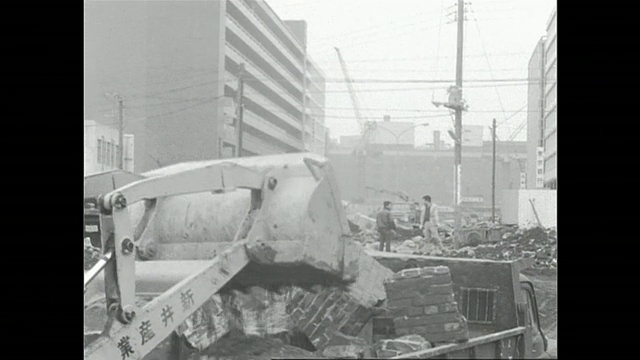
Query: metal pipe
(99, 266)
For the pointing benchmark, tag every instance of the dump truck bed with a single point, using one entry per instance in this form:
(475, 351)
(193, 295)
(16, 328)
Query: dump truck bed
(500, 345)
(487, 293)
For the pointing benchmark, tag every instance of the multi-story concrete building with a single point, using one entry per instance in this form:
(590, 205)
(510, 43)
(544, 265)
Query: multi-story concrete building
(176, 64)
(535, 118)
(427, 171)
(101, 149)
(550, 104)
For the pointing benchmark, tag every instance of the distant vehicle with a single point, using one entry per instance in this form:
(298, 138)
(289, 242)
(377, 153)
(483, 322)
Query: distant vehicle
(405, 213)
(447, 216)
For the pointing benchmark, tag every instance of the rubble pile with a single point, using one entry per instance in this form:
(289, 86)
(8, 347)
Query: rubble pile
(408, 246)
(347, 347)
(366, 236)
(324, 312)
(421, 302)
(539, 243)
(251, 347)
(388, 348)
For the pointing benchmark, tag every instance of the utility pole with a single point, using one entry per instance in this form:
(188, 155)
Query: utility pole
(493, 174)
(120, 132)
(239, 109)
(458, 122)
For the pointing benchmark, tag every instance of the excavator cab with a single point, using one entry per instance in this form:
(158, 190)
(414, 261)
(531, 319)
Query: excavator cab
(92, 222)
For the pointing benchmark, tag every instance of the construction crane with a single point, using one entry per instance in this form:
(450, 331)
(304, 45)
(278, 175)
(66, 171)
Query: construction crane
(400, 194)
(365, 130)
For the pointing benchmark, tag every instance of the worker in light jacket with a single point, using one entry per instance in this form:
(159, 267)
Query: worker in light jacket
(386, 226)
(429, 221)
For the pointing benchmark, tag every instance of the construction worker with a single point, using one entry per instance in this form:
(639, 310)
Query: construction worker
(386, 226)
(429, 222)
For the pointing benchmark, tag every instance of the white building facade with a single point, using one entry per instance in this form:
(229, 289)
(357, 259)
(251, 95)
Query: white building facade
(550, 105)
(101, 149)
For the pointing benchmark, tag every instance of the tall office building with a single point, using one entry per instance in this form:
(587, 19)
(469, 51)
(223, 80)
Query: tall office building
(550, 104)
(535, 117)
(176, 64)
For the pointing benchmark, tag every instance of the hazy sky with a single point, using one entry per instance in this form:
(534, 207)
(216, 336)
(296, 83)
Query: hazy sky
(416, 39)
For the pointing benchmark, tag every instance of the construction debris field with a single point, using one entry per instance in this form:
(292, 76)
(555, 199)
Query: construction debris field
(543, 276)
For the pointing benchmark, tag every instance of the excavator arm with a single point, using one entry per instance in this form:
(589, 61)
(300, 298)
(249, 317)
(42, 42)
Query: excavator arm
(132, 333)
(150, 326)
(299, 189)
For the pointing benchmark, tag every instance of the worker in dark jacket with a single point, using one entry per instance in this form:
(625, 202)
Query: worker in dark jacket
(385, 226)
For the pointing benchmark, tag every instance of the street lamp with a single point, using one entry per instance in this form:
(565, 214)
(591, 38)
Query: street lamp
(397, 137)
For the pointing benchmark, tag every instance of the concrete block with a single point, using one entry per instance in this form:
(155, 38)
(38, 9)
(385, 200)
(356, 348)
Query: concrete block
(407, 311)
(405, 344)
(435, 333)
(401, 303)
(386, 354)
(432, 300)
(418, 283)
(452, 326)
(368, 289)
(418, 272)
(344, 352)
(406, 321)
(441, 309)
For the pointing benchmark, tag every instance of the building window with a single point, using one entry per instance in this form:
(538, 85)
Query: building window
(99, 151)
(108, 154)
(114, 154)
(539, 171)
(104, 151)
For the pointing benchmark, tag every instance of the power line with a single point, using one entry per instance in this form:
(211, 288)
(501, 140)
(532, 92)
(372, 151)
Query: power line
(517, 130)
(379, 81)
(428, 81)
(379, 39)
(420, 58)
(178, 110)
(163, 103)
(439, 38)
(509, 117)
(415, 89)
(395, 117)
(363, 32)
(484, 50)
(421, 110)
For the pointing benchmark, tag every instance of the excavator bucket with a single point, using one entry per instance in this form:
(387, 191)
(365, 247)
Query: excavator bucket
(302, 217)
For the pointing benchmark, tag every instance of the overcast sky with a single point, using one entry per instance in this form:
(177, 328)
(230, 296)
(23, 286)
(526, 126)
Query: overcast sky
(416, 39)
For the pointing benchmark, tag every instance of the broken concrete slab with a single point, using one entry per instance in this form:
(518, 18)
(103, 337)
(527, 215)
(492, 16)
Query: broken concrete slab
(405, 344)
(347, 346)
